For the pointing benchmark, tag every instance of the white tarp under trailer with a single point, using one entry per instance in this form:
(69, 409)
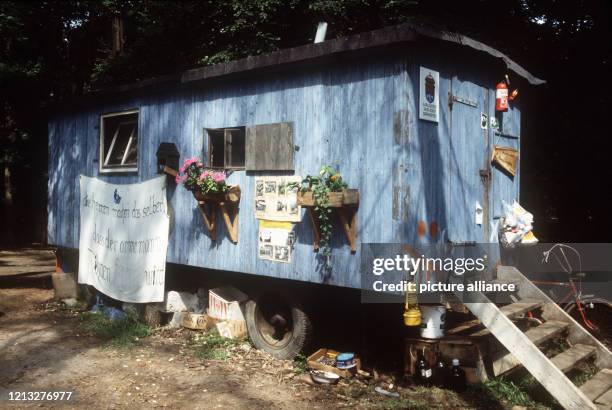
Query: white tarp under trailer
(124, 238)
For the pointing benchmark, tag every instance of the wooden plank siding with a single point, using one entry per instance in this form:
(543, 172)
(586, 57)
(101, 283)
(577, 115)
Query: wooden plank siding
(360, 117)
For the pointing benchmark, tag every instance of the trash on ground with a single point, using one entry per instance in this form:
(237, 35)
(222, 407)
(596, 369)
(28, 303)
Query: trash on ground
(326, 360)
(323, 377)
(70, 302)
(384, 392)
(345, 361)
(232, 329)
(110, 312)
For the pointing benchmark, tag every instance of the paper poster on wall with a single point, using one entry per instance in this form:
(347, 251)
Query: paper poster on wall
(429, 95)
(276, 240)
(275, 201)
(124, 238)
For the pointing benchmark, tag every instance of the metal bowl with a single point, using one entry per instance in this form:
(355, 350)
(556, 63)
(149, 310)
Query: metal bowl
(321, 377)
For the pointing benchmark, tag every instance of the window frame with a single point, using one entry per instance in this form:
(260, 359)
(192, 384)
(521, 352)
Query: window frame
(209, 152)
(102, 158)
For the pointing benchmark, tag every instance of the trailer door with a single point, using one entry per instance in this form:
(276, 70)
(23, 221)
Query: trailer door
(469, 164)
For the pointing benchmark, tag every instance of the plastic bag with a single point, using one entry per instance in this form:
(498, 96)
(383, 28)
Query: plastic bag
(517, 223)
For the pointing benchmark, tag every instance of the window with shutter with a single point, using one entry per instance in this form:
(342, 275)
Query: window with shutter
(269, 147)
(226, 147)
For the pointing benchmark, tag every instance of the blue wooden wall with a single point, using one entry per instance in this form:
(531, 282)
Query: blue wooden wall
(360, 117)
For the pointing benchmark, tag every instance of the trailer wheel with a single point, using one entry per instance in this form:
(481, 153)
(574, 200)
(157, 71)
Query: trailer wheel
(278, 325)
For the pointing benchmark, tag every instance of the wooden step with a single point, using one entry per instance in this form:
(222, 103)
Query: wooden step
(512, 311)
(504, 282)
(463, 326)
(546, 331)
(519, 308)
(567, 360)
(502, 297)
(604, 401)
(598, 384)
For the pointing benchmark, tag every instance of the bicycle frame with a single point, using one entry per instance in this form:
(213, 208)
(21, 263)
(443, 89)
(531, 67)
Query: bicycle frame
(573, 292)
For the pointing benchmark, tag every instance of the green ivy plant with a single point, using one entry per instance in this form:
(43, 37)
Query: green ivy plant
(328, 180)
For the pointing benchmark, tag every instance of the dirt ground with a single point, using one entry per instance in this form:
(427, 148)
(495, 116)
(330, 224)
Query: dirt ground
(43, 347)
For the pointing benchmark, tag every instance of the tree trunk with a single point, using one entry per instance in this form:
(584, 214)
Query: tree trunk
(8, 236)
(118, 40)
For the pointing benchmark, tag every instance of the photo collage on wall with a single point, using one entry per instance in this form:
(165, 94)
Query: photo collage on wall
(274, 201)
(276, 240)
(277, 209)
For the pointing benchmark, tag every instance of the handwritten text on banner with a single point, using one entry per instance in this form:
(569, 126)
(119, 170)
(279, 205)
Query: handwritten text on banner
(124, 238)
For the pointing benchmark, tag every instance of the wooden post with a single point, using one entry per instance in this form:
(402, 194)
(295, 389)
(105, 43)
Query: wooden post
(117, 34)
(7, 198)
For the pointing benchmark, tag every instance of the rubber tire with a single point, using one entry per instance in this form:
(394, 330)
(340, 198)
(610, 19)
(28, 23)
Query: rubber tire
(301, 332)
(571, 306)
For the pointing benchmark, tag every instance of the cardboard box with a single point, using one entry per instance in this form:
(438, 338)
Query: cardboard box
(224, 303)
(314, 364)
(197, 321)
(232, 329)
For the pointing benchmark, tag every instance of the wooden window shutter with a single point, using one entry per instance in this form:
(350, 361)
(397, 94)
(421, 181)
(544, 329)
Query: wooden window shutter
(269, 147)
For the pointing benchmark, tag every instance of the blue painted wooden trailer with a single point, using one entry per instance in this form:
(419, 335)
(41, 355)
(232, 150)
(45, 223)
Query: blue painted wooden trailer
(352, 103)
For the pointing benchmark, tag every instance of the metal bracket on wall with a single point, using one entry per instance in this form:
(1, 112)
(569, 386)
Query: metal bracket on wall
(502, 134)
(485, 174)
(455, 98)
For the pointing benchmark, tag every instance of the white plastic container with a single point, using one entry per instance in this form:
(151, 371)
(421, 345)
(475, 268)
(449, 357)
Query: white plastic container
(432, 321)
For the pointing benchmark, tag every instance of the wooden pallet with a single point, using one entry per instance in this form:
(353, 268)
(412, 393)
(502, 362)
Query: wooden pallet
(524, 346)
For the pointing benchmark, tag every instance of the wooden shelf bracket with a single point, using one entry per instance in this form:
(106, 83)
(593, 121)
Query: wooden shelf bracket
(227, 205)
(229, 212)
(210, 217)
(345, 204)
(348, 217)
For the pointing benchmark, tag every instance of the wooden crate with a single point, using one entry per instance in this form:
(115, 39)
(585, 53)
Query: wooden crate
(198, 321)
(449, 347)
(313, 364)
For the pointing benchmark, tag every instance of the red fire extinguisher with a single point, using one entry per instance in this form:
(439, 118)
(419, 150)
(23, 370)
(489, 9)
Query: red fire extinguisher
(501, 97)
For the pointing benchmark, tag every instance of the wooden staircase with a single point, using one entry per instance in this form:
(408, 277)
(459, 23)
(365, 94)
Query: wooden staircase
(523, 344)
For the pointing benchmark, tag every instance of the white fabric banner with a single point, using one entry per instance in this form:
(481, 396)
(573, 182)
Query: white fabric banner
(124, 238)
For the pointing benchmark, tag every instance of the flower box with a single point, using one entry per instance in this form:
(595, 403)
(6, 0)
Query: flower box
(231, 195)
(347, 197)
(345, 203)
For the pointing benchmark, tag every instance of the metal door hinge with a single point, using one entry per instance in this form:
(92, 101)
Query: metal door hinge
(485, 174)
(455, 98)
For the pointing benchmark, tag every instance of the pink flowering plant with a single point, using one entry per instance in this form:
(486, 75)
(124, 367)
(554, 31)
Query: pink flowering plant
(194, 177)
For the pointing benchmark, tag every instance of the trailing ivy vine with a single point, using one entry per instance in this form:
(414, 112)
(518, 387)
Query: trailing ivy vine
(328, 180)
